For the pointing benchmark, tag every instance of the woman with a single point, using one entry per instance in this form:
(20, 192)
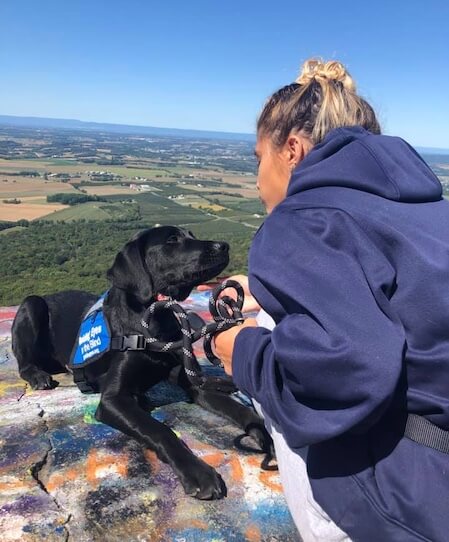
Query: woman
(351, 269)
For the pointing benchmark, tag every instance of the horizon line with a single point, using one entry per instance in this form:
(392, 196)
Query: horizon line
(198, 131)
(201, 130)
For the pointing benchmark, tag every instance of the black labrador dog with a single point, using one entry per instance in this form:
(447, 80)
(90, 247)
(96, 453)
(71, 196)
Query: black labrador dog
(168, 261)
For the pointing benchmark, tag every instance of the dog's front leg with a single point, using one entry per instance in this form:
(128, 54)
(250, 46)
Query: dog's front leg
(243, 416)
(224, 405)
(123, 413)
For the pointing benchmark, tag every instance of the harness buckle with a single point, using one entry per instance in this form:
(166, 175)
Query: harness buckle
(129, 342)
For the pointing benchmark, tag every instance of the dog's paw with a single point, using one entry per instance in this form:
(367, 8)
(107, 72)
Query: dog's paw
(260, 435)
(40, 380)
(203, 482)
(257, 433)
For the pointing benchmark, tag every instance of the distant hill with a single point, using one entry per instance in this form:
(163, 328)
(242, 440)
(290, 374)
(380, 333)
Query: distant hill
(432, 150)
(70, 124)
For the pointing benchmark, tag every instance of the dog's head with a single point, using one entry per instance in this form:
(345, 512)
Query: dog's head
(166, 260)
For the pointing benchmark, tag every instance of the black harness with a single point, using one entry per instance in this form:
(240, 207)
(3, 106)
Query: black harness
(226, 313)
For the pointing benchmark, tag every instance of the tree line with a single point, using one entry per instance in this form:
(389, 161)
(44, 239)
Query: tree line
(72, 199)
(45, 257)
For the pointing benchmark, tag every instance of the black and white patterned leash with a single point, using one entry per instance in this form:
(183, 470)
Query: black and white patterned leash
(226, 313)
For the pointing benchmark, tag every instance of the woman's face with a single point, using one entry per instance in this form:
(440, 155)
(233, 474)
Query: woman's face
(276, 166)
(273, 173)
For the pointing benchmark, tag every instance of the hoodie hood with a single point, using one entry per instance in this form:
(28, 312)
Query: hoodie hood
(354, 158)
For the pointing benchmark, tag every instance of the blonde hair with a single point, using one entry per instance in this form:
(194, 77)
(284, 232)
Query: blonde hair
(322, 98)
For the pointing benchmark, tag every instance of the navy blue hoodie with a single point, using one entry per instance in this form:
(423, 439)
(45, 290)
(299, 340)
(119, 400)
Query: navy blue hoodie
(353, 266)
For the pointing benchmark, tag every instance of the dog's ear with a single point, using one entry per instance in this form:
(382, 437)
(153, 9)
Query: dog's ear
(129, 271)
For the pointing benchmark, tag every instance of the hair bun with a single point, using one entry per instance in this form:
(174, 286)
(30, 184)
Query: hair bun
(323, 72)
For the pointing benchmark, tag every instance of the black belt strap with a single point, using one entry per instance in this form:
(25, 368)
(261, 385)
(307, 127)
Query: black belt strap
(424, 432)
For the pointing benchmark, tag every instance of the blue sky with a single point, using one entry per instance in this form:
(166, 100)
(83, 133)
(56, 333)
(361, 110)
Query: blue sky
(210, 65)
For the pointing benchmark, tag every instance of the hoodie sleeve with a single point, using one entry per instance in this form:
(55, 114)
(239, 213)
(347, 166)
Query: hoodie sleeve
(332, 362)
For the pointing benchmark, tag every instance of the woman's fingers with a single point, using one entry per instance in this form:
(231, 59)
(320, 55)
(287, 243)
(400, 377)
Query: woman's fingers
(243, 281)
(224, 343)
(249, 304)
(205, 287)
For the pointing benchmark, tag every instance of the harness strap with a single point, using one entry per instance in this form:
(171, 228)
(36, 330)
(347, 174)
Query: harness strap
(81, 381)
(226, 313)
(424, 432)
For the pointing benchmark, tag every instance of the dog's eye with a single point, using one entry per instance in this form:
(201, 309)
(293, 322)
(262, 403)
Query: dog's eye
(172, 239)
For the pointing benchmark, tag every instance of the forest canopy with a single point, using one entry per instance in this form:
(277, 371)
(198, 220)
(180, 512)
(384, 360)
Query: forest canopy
(42, 257)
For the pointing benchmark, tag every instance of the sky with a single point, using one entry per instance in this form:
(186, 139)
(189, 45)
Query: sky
(211, 65)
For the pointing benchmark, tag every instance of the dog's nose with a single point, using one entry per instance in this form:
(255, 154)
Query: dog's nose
(220, 247)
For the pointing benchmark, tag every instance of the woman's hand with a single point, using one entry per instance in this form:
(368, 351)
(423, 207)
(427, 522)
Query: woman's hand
(249, 304)
(224, 343)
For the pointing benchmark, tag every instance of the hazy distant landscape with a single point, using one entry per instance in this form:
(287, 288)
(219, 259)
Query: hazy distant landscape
(72, 193)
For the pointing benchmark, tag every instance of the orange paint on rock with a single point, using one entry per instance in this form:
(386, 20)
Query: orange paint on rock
(252, 534)
(57, 480)
(153, 460)
(269, 478)
(214, 460)
(15, 485)
(236, 469)
(97, 461)
(198, 524)
(266, 477)
(254, 461)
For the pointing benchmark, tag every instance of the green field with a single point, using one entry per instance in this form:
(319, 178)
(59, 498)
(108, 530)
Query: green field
(133, 171)
(61, 162)
(156, 209)
(12, 230)
(220, 229)
(247, 206)
(94, 210)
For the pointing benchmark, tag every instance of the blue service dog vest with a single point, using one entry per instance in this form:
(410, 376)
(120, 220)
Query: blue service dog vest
(94, 337)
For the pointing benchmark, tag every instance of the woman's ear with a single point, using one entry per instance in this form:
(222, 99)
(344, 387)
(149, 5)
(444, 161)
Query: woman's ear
(130, 273)
(295, 149)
